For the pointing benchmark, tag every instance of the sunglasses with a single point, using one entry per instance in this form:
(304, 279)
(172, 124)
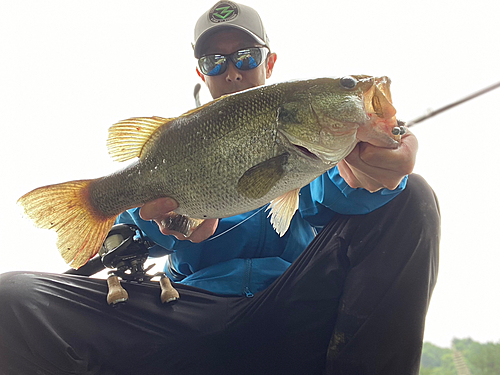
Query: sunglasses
(244, 59)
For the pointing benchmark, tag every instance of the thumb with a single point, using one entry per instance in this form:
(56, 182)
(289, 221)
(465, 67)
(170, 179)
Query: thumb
(157, 208)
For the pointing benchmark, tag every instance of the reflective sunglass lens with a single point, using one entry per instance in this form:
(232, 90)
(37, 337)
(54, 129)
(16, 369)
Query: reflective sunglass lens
(215, 71)
(245, 59)
(212, 65)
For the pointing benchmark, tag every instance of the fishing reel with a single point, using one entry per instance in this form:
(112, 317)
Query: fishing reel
(125, 252)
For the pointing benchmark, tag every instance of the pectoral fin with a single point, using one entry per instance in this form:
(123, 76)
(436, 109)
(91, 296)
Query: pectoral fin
(258, 180)
(282, 210)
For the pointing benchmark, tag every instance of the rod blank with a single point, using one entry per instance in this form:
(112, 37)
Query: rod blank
(451, 105)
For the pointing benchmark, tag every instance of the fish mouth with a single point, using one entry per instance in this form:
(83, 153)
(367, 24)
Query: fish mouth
(378, 100)
(382, 129)
(318, 153)
(306, 152)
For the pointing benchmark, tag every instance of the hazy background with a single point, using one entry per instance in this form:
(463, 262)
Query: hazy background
(70, 69)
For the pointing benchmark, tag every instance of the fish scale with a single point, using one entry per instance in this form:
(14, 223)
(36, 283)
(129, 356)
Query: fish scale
(224, 145)
(227, 157)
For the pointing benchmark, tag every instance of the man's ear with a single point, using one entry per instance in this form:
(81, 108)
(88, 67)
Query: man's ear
(200, 74)
(271, 60)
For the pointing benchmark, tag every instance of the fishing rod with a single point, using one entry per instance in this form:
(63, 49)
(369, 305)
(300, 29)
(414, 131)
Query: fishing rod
(451, 105)
(197, 88)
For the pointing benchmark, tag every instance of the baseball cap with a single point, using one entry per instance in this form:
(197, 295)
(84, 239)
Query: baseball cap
(228, 14)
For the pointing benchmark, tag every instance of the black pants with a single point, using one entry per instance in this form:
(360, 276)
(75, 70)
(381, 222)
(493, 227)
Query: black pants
(353, 303)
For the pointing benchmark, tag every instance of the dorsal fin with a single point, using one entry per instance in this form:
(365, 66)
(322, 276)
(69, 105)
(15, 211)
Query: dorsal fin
(127, 138)
(194, 110)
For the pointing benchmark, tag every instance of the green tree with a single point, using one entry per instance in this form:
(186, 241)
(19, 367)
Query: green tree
(480, 359)
(432, 355)
(436, 360)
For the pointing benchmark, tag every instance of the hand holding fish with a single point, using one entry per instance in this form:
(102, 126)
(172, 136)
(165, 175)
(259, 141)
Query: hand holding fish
(158, 209)
(374, 168)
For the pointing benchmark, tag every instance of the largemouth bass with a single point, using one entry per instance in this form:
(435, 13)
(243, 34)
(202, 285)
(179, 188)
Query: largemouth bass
(230, 156)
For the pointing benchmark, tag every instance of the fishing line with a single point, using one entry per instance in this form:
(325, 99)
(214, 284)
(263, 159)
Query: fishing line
(236, 225)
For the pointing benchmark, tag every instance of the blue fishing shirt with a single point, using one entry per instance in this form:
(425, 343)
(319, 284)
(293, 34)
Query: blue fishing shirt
(245, 254)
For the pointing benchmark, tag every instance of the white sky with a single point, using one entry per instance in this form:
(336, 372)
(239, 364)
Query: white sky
(70, 69)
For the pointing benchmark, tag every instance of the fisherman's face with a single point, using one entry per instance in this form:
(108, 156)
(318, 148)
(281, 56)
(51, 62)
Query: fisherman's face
(233, 80)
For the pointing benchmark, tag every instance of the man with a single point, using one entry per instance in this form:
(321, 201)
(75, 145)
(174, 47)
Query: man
(353, 302)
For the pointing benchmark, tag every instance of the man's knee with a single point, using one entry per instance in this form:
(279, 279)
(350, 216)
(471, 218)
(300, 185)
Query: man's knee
(420, 203)
(14, 285)
(423, 222)
(422, 192)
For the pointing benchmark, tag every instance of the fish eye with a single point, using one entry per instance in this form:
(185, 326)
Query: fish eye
(348, 82)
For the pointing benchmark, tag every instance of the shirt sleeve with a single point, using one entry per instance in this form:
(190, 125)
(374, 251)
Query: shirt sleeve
(330, 194)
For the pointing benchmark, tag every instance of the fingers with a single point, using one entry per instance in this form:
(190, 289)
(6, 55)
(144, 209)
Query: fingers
(399, 160)
(356, 178)
(348, 175)
(201, 233)
(204, 231)
(157, 209)
(374, 168)
(370, 175)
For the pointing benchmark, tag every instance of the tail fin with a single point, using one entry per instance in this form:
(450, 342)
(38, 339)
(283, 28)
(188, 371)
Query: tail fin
(66, 208)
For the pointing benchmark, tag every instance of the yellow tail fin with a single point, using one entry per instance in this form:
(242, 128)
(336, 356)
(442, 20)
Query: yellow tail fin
(66, 208)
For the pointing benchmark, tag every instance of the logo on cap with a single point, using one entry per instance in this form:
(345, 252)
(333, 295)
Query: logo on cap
(223, 11)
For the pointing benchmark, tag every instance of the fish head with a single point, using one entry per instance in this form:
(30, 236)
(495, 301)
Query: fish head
(328, 116)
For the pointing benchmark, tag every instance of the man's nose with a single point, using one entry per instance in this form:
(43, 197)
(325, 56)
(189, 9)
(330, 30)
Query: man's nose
(232, 73)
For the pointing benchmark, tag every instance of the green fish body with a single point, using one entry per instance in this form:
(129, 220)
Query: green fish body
(230, 156)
